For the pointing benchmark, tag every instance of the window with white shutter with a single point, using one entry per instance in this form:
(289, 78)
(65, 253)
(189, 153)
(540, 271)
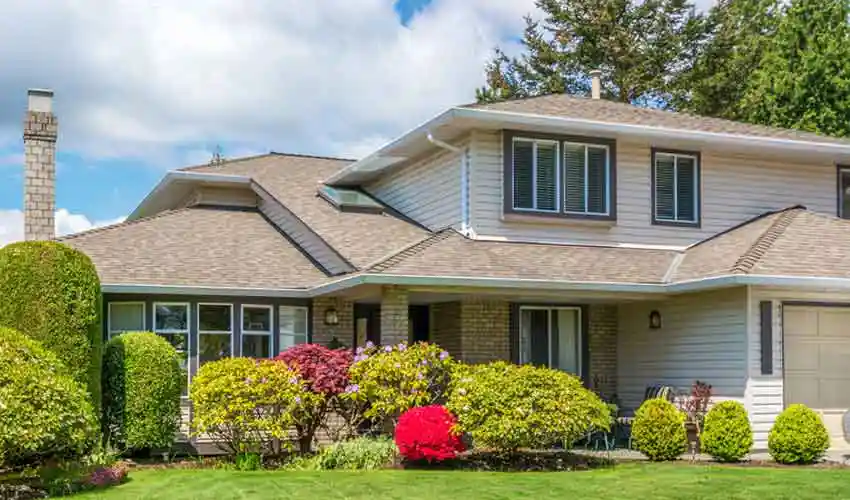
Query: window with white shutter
(676, 189)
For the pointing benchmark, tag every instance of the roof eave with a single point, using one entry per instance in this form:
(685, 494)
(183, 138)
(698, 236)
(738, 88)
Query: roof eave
(162, 193)
(153, 289)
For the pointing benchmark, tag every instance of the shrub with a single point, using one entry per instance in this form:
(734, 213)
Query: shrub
(427, 433)
(358, 454)
(326, 373)
(44, 413)
(247, 404)
(798, 436)
(393, 379)
(142, 384)
(507, 407)
(727, 435)
(51, 293)
(658, 430)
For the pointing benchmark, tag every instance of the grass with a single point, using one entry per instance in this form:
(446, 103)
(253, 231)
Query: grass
(628, 482)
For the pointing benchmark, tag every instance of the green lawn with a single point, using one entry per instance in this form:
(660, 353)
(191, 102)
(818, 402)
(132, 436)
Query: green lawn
(630, 482)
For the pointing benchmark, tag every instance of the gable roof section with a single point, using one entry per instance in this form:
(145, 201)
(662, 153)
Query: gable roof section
(198, 247)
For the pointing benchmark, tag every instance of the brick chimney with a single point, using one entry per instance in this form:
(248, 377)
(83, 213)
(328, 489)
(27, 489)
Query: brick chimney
(40, 131)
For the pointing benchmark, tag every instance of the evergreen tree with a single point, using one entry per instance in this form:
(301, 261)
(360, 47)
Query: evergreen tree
(640, 45)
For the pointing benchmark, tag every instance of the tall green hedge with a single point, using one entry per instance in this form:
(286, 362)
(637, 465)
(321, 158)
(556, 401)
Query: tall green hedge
(51, 293)
(142, 383)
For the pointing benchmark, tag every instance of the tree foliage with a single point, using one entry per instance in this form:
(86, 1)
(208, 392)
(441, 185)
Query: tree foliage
(638, 45)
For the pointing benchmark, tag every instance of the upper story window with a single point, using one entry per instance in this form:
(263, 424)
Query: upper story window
(675, 188)
(350, 199)
(559, 176)
(844, 191)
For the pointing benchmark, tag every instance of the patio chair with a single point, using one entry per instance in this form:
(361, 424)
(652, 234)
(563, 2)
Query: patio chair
(651, 392)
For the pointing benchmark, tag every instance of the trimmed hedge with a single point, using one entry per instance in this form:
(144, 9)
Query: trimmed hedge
(658, 430)
(44, 413)
(142, 383)
(798, 436)
(51, 293)
(727, 435)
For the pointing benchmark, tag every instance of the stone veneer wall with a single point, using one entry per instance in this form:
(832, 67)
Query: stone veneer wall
(602, 340)
(445, 327)
(395, 318)
(344, 331)
(40, 132)
(485, 331)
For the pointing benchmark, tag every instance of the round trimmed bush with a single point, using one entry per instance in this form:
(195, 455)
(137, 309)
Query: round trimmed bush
(507, 407)
(51, 293)
(142, 383)
(658, 430)
(44, 413)
(727, 435)
(427, 433)
(798, 436)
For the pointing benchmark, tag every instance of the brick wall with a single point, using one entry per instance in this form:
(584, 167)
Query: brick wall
(602, 340)
(485, 327)
(394, 315)
(344, 331)
(445, 327)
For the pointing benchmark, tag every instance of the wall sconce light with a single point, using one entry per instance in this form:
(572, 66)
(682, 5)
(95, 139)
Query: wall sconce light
(331, 317)
(655, 320)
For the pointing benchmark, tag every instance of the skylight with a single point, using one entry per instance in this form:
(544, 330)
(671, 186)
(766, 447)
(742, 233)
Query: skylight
(348, 199)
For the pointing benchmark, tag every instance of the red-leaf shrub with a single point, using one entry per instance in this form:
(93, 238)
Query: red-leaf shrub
(427, 433)
(326, 373)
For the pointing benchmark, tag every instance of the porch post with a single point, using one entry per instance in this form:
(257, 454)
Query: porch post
(394, 315)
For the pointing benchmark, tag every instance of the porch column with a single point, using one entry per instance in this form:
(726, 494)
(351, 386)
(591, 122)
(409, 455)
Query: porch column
(343, 331)
(394, 315)
(602, 343)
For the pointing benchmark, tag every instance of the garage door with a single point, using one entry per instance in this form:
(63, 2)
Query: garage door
(817, 364)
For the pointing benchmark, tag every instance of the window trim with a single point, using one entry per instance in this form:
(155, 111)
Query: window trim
(697, 223)
(188, 332)
(232, 331)
(580, 334)
(258, 333)
(125, 302)
(841, 169)
(280, 333)
(508, 137)
(558, 167)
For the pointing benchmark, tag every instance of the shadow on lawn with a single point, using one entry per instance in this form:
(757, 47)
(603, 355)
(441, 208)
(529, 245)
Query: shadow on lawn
(521, 461)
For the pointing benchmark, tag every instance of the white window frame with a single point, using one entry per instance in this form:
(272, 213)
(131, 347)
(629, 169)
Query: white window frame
(269, 333)
(580, 332)
(281, 333)
(188, 333)
(587, 146)
(214, 332)
(697, 187)
(558, 168)
(110, 333)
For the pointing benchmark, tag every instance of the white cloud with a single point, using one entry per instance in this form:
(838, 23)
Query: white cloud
(12, 224)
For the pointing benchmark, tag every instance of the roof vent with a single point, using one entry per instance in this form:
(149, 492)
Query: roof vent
(596, 83)
(350, 199)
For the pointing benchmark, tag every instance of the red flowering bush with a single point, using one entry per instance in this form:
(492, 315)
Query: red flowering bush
(325, 372)
(109, 475)
(427, 433)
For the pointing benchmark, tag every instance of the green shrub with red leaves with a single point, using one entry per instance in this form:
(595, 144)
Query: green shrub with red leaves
(428, 433)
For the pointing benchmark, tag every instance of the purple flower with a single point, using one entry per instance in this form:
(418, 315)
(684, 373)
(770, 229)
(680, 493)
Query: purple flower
(369, 344)
(424, 362)
(360, 358)
(248, 380)
(388, 348)
(359, 350)
(398, 365)
(402, 346)
(293, 380)
(352, 389)
(443, 355)
(264, 380)
(419, 376)
(298, 400)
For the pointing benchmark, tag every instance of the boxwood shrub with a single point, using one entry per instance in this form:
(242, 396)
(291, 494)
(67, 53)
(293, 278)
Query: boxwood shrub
(798, 436)
(51, 293)
(44, 413)
(507, 407)
(142, 383)
(727, 435)
(658, 430)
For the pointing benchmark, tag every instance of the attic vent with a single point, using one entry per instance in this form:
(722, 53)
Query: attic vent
(350, 200)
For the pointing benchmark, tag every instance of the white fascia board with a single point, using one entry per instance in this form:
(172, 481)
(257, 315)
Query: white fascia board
(161, 189)
(144, 289)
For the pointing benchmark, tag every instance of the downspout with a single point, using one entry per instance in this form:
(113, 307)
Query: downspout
(464, 180)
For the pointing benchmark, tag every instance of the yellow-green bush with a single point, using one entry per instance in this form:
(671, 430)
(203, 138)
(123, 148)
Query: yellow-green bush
(51, 293)
(507, 407)
(727, 435)
(44, 412)
(246, 404)
(392, 379)
(142, 383)
(658, 430)
(798, 436)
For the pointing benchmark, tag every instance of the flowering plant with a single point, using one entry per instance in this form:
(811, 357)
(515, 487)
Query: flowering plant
(108, 475)
(427, 433)
(394, 378)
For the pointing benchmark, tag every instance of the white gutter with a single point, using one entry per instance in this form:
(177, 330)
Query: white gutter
(174, 176)
(204, 290)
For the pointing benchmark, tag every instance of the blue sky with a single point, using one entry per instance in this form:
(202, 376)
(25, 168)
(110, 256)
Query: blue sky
(141, 90)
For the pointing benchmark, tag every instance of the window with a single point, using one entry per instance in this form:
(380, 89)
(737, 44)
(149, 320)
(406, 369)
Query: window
(568, 177)
(348, 199)
(257, 331)
(675, 181)
(215, 332)
(551, 336)
(844, 192)
(171, 321)
(293, 326)
(125, 317)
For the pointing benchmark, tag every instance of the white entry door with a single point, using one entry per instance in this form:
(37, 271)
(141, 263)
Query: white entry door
(817, 364)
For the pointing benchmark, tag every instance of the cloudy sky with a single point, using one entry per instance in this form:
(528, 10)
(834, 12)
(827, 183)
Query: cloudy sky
(144, 86)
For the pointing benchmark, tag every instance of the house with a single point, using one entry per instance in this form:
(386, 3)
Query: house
(629, 246)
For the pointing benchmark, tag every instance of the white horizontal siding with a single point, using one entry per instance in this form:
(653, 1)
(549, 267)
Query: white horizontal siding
(765, 396)
(734, 189)
(428, 191)
(227, 197)
(703, 337)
